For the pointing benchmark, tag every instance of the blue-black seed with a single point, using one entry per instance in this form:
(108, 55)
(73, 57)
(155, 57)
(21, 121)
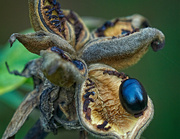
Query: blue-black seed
(57, 50)
(78, 64)
(133, 96)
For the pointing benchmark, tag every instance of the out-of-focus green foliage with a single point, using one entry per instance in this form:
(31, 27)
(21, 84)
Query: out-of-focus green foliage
(16, 57)
(15, 101)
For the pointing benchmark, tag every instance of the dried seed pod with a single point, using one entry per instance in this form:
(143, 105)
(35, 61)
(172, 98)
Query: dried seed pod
(123, 51)
(121, 26)
(67, 103)
(81, 31)
(41, 40)
(48, 16)
(47, 108)
(59, 68)
(100, 110)
(22, 113)
(31, 69)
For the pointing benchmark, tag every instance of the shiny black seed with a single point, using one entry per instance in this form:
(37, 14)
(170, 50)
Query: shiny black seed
(133, 96)
(57, 50)
(78, 64)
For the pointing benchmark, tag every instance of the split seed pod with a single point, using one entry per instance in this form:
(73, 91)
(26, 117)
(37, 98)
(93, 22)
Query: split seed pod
(48, 16)
(121, 42)
(100, 110)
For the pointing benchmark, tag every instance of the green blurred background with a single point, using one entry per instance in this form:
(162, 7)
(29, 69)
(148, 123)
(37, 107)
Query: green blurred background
(159, 71)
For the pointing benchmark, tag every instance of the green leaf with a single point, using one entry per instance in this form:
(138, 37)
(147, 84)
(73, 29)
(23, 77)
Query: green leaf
(13, 99)
(16, 57)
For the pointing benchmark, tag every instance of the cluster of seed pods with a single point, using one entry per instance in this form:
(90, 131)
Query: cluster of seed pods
(78, 74)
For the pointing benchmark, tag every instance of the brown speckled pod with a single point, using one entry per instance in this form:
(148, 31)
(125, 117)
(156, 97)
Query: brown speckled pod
(100, 110)
(48, 16)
